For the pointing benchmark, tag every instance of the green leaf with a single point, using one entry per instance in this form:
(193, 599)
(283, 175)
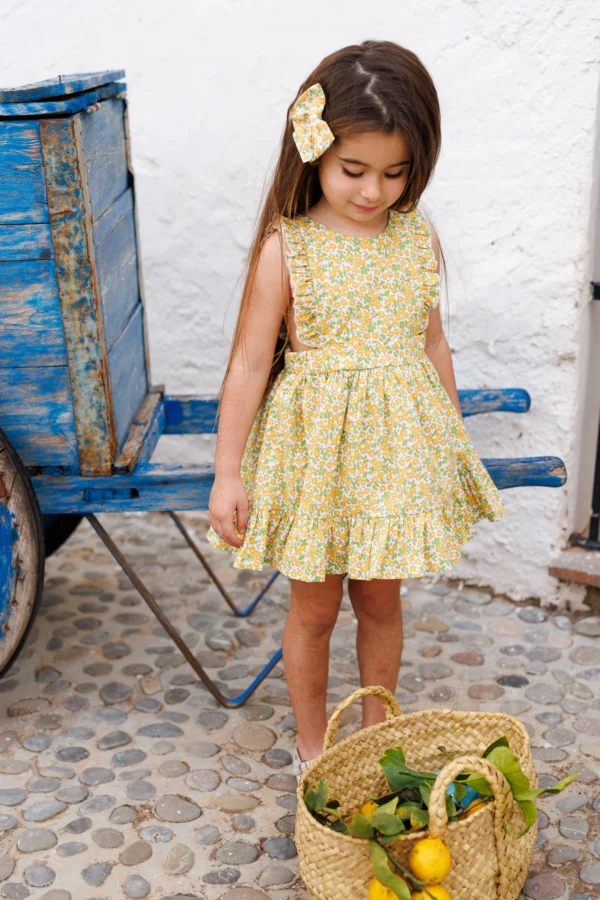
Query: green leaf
(316, 799)
(339, 826)
(399, 779)
(359, 826)
(450, 807)
(529, 814)
(310, 799)
(509, 765)
(459, 791)
(425, 792)
(395, 753)
(389, 808)
(501, 742)
(387, 824)
(501, 757)
(532, 793)
(499, 754)
(398, 774)
(384, 874)
(419, 818)
(321, 792)
(406, 810)
(479, 784)
(387, 838)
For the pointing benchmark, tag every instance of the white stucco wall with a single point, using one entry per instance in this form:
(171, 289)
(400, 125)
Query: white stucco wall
(209, 83)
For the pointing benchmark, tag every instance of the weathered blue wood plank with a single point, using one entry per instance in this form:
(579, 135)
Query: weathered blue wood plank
(153, 435)
(25, 242)
(160, 487)
(137, 232)
(36, 412)
(198, 415)
(22, 188)
(59, 107)
(117, 265)
(144, 434)
(150, 487)
(190, 415)
(103, 137)
(537, 471)
(128, 380)
(111, 217)
(60, 86)
(70, 218)
(31, 330)
(473, 403)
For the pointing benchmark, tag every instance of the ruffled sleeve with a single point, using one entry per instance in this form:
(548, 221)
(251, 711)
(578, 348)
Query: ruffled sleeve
(301, 280)
(430, 279)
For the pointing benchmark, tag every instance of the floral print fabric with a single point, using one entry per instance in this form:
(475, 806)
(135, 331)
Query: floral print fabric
(312, 135)
(357, 461)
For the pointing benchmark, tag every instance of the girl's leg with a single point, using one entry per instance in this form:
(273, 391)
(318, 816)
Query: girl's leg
(377, 607)
(313, 613)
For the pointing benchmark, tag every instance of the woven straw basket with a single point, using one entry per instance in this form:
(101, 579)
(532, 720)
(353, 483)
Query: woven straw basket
(487, 862)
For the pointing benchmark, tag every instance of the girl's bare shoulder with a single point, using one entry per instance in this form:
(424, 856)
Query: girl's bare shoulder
(271, 279)
(275, 244)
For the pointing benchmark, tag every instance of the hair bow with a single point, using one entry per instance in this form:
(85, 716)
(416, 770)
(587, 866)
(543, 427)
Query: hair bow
(312, 134)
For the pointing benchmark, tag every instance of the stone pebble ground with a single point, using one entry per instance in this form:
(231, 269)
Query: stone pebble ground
(120, 776)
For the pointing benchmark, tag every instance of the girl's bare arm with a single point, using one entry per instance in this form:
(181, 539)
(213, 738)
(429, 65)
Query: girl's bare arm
(436, 345)
(244, 388)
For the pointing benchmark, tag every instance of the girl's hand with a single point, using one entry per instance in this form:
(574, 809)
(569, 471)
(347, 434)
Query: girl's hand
(228, 497)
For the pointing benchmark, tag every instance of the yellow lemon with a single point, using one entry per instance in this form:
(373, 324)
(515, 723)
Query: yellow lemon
(430, 860)
(369, 807)
(436, 890)
(378, 891)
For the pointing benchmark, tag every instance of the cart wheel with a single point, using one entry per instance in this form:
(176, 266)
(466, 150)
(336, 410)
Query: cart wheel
(57, 529)
(21, 554)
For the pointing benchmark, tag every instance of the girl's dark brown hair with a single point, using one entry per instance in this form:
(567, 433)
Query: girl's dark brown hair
(373, 86)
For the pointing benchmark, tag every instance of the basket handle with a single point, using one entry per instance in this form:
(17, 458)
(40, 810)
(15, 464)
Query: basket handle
(438, 815)
(385, 697)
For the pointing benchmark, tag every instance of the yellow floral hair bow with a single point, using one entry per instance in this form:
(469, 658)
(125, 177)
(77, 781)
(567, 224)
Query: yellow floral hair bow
(312, 134)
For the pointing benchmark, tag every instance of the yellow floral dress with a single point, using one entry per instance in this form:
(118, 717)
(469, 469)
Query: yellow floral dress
(357, 460)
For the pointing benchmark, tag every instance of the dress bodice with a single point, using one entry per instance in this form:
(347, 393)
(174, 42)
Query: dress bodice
(372, 293)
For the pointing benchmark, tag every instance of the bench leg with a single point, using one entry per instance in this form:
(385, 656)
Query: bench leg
(241, 613)
(229, 702)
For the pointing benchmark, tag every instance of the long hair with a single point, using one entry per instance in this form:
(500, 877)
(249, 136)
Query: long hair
(373, 86)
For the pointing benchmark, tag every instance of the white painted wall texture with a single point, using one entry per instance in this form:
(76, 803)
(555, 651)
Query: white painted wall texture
(209, 83)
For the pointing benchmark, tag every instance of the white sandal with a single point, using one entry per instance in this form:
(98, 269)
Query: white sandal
(299, 764)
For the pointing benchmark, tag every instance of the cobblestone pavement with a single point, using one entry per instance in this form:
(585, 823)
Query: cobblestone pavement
(120, 776)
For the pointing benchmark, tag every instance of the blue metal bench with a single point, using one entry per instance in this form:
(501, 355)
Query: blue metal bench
(79, 419)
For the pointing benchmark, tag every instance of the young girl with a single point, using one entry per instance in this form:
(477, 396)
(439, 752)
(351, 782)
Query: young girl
(341, 446)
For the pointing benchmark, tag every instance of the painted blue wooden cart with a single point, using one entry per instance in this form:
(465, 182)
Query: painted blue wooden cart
(79, 419)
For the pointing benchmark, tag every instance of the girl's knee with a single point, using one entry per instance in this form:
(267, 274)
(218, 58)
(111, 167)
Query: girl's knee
(315, 606)
(375, 600)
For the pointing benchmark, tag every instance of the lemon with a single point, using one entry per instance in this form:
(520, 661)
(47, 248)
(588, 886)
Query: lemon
(378, 891)
(369, 807)
(436, 890)
(430, 860)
